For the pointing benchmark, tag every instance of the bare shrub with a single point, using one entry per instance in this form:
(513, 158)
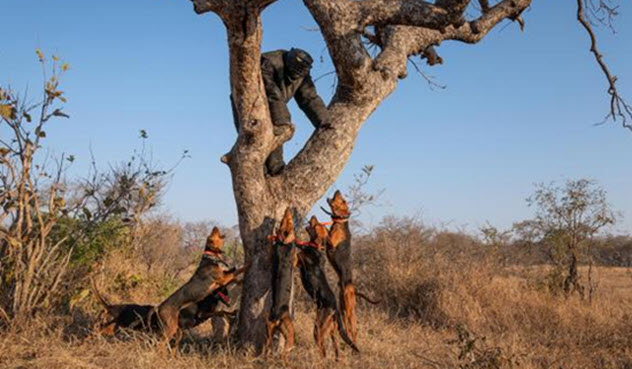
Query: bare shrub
(402, 261)
(32, 197)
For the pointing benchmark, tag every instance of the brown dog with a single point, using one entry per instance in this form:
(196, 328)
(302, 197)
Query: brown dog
(210, 275)
(311, 263)
(283, 257)
(339, 255)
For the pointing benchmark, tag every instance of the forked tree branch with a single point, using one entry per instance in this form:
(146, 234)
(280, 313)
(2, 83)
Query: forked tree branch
(363, 84)
(226, 8)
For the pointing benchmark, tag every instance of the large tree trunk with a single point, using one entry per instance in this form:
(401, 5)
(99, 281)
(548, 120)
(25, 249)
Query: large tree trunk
(261, 199)
(363, 83)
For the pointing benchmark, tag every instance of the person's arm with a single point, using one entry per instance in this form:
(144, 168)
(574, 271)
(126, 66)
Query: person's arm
(278, 107)
(310, 103)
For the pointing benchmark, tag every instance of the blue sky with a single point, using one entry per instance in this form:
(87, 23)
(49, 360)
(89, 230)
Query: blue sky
(520, 107)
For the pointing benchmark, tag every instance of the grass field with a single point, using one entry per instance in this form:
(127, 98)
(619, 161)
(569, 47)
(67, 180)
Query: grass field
(489, 319)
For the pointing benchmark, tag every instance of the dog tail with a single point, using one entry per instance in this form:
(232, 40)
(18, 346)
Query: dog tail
(98, 295)
(367, 299)
(343, 332)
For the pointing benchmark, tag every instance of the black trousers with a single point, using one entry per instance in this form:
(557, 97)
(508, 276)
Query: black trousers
(274, 162)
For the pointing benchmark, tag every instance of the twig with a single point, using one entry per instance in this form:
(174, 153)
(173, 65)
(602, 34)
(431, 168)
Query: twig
(618, 106)
(324, 75)
(428, 79)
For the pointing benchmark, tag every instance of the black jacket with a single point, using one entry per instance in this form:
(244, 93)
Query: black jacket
(280, 89)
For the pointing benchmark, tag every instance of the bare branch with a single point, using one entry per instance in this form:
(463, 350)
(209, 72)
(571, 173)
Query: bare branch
(431, 82)
(338, 22)
(401, 42)
(405, 13)
(619, 108)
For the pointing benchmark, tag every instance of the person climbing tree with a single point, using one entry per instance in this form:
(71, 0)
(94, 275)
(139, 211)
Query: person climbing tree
(285, 75)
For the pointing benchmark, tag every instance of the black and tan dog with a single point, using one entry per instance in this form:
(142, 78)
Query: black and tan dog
(311, 263)
(283, 259)
(339, 254)
(142, 317)
(210, 275)
(196, 314)
(116, 316)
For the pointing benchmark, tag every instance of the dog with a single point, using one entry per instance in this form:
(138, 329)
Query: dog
(143, 318)
(117, 316)
(196, 314)
(339, 255)
(283, 260)
(311, 262)
(209, 276)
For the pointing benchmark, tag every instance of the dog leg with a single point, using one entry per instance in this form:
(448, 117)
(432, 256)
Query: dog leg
(328, 327)
(287, 329)
(318, 336)
(349, 311)
(270, 328)
(334, 340)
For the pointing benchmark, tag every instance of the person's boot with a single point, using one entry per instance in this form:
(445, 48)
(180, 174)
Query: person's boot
(279, 129)
(275, 163)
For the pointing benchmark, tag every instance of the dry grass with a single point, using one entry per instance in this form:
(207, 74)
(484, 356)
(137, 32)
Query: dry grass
(446, 304)
(522, 328)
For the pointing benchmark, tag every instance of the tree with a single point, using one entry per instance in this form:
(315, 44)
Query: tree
(565, 221)
(52, 230)
(32, 199)
(399, 29)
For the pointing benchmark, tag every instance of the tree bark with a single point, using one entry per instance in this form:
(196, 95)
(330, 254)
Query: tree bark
(363, 83)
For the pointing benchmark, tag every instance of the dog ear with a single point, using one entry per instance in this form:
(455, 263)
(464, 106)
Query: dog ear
(313, 221)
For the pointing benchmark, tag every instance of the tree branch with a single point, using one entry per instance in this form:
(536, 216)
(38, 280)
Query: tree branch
(338, 23)
(403, 12)
(618, 106)
(400, 41)
(215, 6)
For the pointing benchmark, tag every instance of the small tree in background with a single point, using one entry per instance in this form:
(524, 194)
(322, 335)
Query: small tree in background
(566, 219)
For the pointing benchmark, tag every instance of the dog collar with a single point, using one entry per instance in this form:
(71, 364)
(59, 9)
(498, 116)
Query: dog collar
(224, 298)
(310, 244)
(213, 257)
(340, 219)
(278, 242)
(335, 217)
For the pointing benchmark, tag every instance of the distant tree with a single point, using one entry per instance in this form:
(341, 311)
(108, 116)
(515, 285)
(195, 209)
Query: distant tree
(566, 219)
(370, 43)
